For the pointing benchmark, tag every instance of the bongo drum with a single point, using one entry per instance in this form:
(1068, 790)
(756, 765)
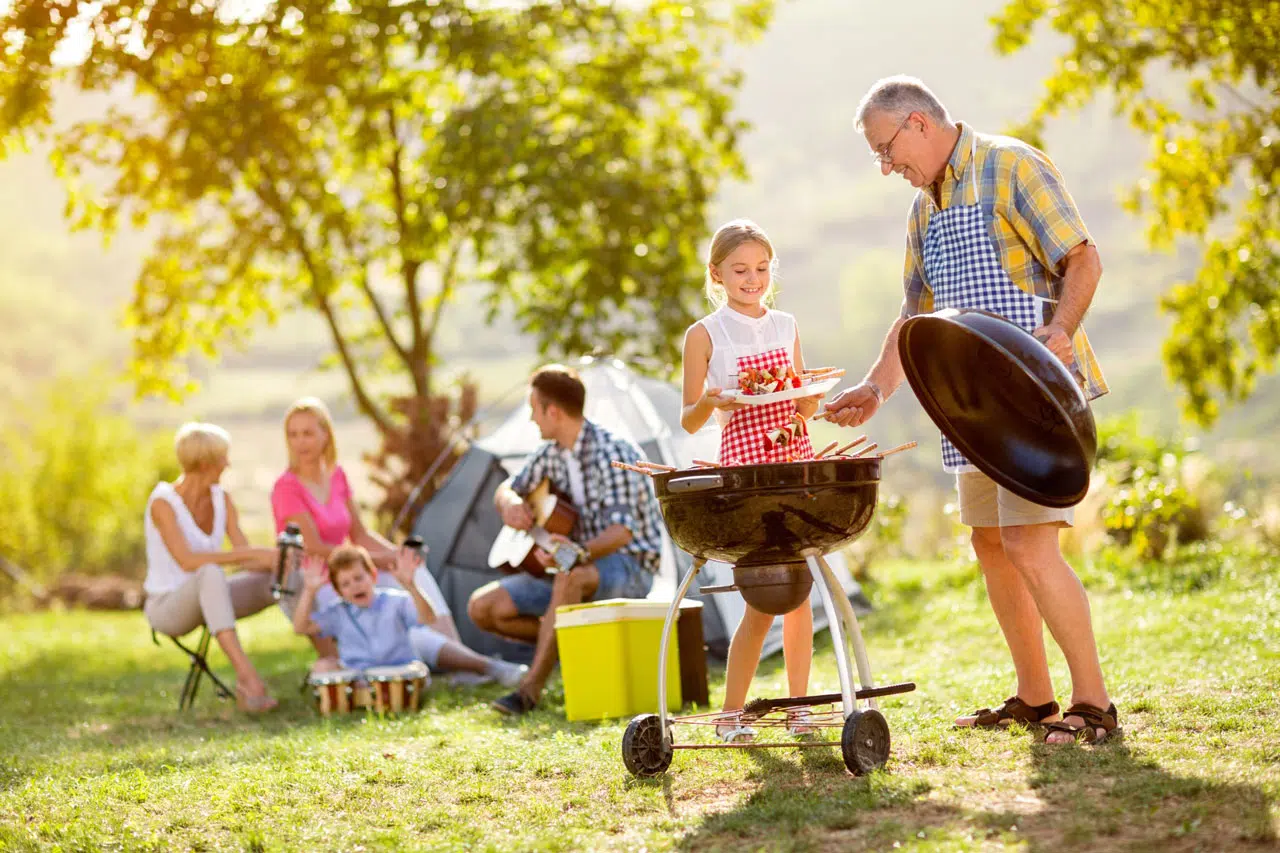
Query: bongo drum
(333, 690)
(397, 688)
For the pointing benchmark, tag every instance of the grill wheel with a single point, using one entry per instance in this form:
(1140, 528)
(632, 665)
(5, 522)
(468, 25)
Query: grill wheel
(865, 742)
(645, 749)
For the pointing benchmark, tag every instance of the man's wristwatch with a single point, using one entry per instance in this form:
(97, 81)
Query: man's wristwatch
(875, 389)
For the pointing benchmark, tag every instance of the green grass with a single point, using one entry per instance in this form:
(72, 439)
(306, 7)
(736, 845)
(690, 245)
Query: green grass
(95, 757)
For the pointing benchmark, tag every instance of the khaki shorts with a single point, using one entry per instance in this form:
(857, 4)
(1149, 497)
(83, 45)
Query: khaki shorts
(983, 503)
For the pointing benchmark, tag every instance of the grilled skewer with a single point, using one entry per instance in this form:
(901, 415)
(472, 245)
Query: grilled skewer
(824, 451)
(625, 467)
(898, 449)
(853, 443)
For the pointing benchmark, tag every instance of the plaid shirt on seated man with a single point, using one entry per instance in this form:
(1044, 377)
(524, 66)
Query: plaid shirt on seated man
(605, 495)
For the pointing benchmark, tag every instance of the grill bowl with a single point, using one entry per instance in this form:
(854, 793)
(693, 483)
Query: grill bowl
(757, 515)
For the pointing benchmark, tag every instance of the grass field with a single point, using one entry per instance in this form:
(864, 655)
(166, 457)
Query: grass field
(96, 758)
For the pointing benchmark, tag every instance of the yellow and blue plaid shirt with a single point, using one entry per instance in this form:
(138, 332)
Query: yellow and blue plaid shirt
(1033, 223)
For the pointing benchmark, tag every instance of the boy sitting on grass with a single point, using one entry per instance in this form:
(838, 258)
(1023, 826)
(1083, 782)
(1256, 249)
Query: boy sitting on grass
(375, 626)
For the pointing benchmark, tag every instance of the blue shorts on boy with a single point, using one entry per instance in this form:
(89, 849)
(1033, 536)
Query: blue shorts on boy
(386, 633)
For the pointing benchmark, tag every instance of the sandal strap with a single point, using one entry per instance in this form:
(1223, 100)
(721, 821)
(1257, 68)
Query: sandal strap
(1094, 718)
(1015, 709)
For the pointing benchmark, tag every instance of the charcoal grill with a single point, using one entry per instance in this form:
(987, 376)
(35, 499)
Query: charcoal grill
(775, 524)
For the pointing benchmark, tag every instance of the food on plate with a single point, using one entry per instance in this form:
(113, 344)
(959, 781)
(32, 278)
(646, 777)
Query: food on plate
(762, 380)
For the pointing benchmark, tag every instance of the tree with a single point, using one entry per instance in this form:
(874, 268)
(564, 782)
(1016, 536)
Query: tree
(375, 160)
(1215, 163)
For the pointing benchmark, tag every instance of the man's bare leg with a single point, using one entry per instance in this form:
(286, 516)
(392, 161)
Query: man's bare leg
(491, 609)
(1062, 601)
(1019, 619)
(568, 588)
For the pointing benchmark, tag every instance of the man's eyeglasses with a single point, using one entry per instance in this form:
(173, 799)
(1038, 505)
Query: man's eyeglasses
(884, 154)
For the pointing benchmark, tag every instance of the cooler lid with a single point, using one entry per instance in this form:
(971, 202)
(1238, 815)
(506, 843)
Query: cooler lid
(615, 610)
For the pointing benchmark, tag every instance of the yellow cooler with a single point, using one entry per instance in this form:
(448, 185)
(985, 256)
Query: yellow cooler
(609, 658)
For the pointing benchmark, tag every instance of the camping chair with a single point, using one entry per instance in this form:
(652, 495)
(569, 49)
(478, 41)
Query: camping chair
(199, 667)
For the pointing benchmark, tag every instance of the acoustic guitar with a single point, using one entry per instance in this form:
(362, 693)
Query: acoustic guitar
(534, 550)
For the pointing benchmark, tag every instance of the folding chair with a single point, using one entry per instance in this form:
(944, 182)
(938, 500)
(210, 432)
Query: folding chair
(199, 667)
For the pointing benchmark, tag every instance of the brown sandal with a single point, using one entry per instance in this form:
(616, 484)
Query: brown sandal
(1094, 718)
(1014, 710)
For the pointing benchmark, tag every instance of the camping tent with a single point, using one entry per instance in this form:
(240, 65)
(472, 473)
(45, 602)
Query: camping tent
(459, 523)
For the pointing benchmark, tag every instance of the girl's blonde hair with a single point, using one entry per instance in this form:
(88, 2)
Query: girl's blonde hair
(315, 407)
(198, 445)
(729, 237)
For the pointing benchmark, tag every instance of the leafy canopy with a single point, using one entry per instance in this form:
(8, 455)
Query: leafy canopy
(1214, 167)
(374, 160)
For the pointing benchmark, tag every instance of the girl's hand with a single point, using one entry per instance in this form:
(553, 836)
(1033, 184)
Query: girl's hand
(716, 399)
(315, 572)
(806, 406)
(406, 564)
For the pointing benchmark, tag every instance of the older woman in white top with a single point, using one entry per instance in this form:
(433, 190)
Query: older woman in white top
(187, 524)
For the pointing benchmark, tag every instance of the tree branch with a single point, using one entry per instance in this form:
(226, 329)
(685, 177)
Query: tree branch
(274, 202)
(448, 281)
(362, 281)
(416, 357)
(1239, 96)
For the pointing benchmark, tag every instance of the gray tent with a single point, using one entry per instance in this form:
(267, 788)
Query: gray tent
(459, 523)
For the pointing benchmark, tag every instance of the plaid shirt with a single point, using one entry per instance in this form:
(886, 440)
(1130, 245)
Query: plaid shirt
(1033, 223)
(614, 496)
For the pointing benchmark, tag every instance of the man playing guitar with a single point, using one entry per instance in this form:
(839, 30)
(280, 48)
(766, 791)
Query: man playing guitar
(618, 529)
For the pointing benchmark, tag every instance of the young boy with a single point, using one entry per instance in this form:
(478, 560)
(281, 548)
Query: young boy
(375, 626)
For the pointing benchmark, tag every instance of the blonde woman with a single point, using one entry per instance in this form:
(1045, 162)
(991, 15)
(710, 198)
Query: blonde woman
(315, 495)
(187, 524)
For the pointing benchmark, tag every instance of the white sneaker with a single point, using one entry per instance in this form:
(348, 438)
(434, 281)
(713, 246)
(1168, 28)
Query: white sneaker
(509, 674)
(469, 679)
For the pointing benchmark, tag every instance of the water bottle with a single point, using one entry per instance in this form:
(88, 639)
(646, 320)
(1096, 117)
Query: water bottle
(289, 545)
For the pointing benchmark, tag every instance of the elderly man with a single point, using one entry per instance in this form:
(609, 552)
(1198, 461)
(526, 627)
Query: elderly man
(993, 227)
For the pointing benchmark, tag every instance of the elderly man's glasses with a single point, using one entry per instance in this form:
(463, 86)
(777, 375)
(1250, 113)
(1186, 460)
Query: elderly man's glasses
(884, 154)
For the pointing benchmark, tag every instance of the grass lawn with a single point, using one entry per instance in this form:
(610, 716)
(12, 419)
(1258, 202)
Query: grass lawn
(94, 755)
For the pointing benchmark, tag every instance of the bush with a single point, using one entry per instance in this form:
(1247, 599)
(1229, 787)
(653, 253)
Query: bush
(75, 478)
(1184, 569)
(1155, 489)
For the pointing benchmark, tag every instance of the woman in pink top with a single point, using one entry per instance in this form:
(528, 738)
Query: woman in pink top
(315, 495)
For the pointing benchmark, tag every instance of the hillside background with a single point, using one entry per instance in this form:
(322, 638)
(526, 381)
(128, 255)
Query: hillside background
(837, 224)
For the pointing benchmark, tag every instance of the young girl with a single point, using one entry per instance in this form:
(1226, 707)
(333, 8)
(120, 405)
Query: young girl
(744, 333)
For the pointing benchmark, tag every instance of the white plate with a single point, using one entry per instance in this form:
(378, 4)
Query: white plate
(820, 387)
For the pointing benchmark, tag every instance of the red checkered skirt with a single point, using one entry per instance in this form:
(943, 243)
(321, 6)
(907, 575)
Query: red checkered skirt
(744, 439)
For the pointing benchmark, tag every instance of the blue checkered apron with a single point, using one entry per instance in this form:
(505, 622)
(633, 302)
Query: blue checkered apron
(962, 268)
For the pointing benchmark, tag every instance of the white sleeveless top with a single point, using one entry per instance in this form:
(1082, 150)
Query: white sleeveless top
(734, 335)
(163, 572)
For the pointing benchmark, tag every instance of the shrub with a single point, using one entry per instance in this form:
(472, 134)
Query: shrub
(1183, 569)
(75, 477)
(1157, 489)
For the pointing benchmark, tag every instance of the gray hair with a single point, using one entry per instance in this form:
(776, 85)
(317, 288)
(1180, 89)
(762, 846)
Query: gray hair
(899, 96)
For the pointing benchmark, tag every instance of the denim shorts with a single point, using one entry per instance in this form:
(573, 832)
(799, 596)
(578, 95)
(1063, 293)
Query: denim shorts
(621, 576)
